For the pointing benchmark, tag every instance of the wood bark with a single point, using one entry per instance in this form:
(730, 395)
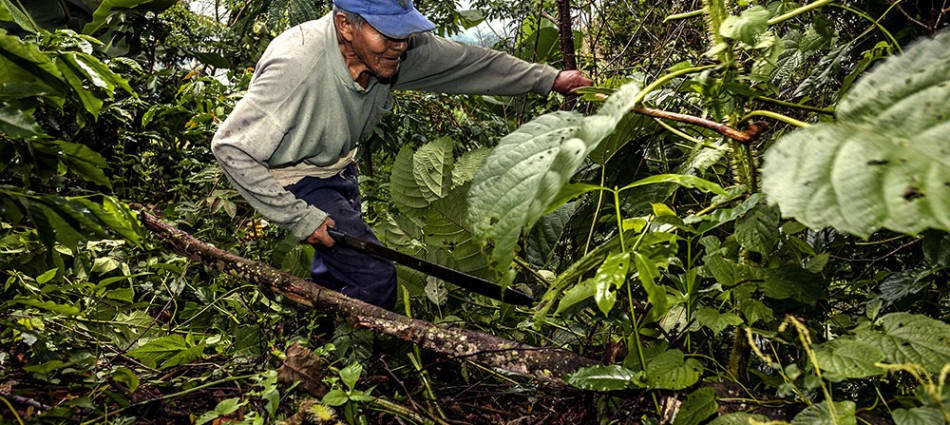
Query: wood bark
(547, 365)
(566, 30)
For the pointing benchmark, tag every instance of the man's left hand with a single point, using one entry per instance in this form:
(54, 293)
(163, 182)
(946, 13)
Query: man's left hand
(568, 81)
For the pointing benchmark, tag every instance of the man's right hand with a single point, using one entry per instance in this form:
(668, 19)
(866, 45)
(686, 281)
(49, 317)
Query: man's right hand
(320, 236)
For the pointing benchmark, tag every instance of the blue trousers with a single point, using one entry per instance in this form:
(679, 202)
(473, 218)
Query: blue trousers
(355, 274)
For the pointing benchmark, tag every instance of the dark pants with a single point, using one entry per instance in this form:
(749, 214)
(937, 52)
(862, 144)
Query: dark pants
(362, 276)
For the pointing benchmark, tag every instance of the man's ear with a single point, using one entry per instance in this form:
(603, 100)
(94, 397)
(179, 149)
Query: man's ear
(344, 26)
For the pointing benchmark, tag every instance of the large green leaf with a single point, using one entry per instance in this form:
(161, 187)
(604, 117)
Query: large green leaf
(910, 338)
(672, 371)
(108, 7)
(918, 416)
(432, 168)
(849, 359)
(822, 414)
(445, 228)
(528, 169)
(605, 378)
(885, 163)
(699, 405)
(17, 122)
(406, 194)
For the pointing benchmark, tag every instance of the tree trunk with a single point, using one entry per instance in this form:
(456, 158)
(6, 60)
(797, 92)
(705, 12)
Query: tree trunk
(566, 30)
(542, 364)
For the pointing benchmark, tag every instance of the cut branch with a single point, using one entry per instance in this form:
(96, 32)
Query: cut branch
(542, 364)
(748, 136)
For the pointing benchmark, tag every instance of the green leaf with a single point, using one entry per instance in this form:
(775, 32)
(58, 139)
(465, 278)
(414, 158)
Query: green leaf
(843, 358)
(224, 407)
(335, 397)
(794, 282)
(467, 165)
(18, 122)
(910, 338)
(885, 163)
(918, 416)
(605, 378)
(699, 405)
(11, 13)
(432, 168)
(648, 272)
(527, 170)
(544, 237)
(168, 351)
(713, 319)
(748, 26)
(108, 7)
(758, 230)
(610, 277)
(68, 310)
(821, 414)
(670, 371)
(406, 193)
(350, 374)
(445, 228)
(125, 376)
(680, 179)
(738, 418)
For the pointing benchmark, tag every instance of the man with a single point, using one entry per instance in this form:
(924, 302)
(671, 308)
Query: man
(289, 145)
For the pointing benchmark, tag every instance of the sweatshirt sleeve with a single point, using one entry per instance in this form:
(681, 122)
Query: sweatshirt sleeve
(436, 64)
(243, 144)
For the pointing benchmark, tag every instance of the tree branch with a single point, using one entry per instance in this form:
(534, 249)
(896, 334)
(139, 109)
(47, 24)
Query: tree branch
(543, 364)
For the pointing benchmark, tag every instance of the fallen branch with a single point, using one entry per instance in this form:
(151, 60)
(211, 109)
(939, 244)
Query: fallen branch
(542, 364)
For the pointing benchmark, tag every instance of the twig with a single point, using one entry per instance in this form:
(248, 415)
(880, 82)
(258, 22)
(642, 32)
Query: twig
(748, 136)
(26, 401)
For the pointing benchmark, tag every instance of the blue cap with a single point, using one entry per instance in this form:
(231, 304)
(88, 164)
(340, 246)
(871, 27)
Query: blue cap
(394, 18)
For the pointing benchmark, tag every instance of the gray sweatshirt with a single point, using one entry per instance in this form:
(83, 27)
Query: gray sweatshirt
(304, 114)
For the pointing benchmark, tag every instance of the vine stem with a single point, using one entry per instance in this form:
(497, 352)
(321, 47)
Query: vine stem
(775, 115)
(804, 9)
(826, 111)
(667, 78)
(12, 409)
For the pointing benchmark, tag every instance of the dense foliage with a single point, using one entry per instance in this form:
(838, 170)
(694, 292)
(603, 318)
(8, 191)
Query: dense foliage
(747, 220)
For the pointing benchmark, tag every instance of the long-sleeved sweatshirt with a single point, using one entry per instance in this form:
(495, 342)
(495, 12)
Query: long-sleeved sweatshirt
(304, 115)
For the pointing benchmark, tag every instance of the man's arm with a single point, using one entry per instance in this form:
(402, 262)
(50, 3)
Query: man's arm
(439, 65)
(569, 81)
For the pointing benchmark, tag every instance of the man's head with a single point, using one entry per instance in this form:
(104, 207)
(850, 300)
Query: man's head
(392, 18)
(377, 48)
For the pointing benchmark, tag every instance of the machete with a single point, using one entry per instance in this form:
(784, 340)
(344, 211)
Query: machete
(464, 280)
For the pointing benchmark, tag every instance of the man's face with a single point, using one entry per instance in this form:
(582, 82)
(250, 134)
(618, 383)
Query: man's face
(381, 54)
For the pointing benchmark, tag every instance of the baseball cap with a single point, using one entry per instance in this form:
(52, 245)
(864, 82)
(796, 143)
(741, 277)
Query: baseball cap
(394, 18)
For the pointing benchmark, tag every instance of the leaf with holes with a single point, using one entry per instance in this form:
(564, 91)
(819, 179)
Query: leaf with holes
(885, 163)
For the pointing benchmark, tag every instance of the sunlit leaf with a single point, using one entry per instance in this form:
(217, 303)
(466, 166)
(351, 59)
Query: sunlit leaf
(605, 378)
(748, 26)
(849, 359)
(918, 416)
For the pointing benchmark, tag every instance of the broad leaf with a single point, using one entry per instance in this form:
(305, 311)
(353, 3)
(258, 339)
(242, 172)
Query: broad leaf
(909, 338)
(713, 319)
(885, 163)
(404, 190)
(849, 359)
(669, 370)
(746, 27)
(432, 169)
(610, 277)
(605, 378)
(528, 169)
(445, 228)
(758, 230)
(699, 405)
(821, 414)
(918, 416)
(738, 418)
(18, 123)
(108, 7)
